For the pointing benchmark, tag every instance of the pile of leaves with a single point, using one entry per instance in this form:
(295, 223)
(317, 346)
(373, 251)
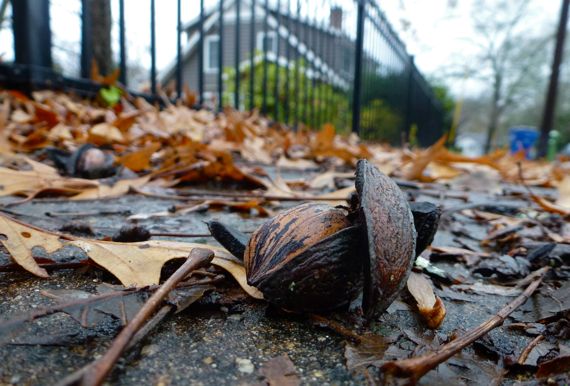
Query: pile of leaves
(57, 146)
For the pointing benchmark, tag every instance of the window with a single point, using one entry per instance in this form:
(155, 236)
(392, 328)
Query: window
(270, 41)
(211, 47)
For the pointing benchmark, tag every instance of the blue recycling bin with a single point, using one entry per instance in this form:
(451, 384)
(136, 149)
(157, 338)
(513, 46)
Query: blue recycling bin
(522, 138)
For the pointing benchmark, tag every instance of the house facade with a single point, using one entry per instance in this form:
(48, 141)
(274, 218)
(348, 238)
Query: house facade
(325, 49)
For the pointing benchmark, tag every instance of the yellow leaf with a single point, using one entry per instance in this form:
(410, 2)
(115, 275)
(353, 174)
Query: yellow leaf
(19, 239)
(134, 264)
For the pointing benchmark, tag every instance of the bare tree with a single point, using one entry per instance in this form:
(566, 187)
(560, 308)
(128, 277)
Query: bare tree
(508, 59)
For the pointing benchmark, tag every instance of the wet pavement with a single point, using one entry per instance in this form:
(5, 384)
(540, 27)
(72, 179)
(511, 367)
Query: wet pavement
(214, 343)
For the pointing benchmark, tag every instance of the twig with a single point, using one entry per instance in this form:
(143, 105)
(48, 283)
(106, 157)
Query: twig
(149, 325)
(202, 196)
(528, 349)
(414, 368)
(336, 327)
(96, 372)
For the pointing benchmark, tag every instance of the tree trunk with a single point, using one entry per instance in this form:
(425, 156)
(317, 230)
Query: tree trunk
(550, 104)
(495, 112)
(96, 45)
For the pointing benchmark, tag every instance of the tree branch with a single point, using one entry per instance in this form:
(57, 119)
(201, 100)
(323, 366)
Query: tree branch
(94, 374)
(413, 369)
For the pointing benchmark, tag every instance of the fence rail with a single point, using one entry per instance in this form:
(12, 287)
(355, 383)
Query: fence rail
(300, 62)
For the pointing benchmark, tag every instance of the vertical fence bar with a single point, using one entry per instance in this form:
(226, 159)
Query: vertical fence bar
(152, 48)
(305, 67)
(221, 56)
(409, 99)
(328, 74)
(122, 44)
(297, 54)
(86, 38)
(277, 64)
(252, 58)
(178, 49)
(328, 48)
(321, 116)
(313, 68)
(32, 34)
(265, 60)
(237, 54)
(288, 64)
(357, 66)
(201, 54)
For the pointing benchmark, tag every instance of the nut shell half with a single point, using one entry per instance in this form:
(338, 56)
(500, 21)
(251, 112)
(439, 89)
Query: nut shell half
(305, 259)
(390, 236)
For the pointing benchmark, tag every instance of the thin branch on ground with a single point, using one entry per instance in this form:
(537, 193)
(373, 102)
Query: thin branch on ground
(413, 369)
(524, 354)
(96, 372)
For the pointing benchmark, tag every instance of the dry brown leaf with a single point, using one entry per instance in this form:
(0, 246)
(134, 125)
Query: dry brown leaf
(564, 193)
(429, 304)
(549, 206)
(134, 264)
(19, 240)
(120, 188)
(44, 178)
(327, 179)
(139, 160)
(416, 168)
(31, 182)
(238, 272)
(105, 134)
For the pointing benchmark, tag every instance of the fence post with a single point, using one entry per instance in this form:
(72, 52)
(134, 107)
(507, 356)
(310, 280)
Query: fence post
(32, 38)
(265, 59)
(357, 67)
(221, 57)
(86, 40)
(252, 58)
(277, 83)
(237, 52)
(122, 44)
(178, 49)
(201, 55)
(152, 48)
(409, 88)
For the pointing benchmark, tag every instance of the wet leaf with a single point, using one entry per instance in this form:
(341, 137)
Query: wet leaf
(430, 305)
(280, 371)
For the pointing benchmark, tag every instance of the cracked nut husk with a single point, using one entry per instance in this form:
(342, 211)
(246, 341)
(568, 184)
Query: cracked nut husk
(315, 257)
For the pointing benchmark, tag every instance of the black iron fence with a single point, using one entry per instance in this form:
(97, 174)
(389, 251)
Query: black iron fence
(300, 62)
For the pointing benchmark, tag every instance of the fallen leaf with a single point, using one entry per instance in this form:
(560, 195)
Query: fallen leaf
(139, 160)
(280, 371)
(120, 188)
(105, 134)
(430, 306)
(238, 272)
(134, 264)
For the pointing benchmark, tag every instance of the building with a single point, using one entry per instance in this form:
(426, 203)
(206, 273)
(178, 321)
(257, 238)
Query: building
(327, 49)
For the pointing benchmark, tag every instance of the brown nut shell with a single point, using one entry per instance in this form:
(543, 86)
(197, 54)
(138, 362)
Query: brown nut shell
(305, 259)
(390, 235)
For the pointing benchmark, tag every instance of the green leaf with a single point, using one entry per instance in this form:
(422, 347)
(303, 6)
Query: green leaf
(111, 95)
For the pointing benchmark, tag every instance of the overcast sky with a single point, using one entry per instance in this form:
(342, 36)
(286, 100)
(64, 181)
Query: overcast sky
(436, 32)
